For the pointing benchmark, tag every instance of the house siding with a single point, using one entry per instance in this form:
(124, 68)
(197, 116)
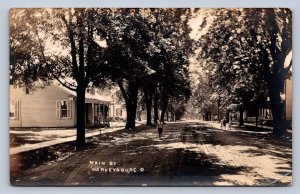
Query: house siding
(113, 111)
(39, 108)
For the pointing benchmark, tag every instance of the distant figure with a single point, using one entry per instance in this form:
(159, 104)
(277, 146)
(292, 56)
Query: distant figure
(160, 128)
(224, 121)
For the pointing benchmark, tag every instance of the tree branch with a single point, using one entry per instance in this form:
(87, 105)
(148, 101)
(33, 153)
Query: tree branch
(65, 84)
(73, 45)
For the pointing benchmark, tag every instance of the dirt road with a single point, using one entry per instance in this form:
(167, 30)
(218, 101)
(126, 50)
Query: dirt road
(141, 158)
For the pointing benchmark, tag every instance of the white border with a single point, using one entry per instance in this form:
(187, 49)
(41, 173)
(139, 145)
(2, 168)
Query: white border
(4, 92)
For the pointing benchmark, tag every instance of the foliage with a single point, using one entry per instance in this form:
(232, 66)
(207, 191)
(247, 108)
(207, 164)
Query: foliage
(62, 46)
(244, 52)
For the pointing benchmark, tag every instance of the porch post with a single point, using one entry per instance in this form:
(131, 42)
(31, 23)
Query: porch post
(93, 114)
(113, 111)
(108, 113)
(103, 111)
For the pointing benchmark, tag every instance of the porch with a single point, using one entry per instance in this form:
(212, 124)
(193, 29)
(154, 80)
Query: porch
(97, 113)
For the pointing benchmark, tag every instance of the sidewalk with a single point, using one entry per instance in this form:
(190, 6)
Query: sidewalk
(259, 125)
(28, 147)
(234, 128)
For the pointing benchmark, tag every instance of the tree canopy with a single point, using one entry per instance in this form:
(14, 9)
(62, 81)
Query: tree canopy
(245, 51)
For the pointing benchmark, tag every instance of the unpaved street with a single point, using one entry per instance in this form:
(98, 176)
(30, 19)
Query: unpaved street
(210, 158)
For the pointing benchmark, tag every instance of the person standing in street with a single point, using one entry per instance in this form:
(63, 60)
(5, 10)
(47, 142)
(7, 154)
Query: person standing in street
(224, 121)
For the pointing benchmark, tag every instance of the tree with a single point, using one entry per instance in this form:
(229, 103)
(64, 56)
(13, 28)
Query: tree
(271, 33)
(240, 50)
(174, 50)
(208, 98)
(232, 64)
(155, 105)
(25, 59)
(74, 58)
(149, 86)
(169, 58)
(141, 44)
(127, 37)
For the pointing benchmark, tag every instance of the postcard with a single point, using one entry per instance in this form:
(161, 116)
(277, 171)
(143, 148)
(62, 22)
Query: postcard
(150, 97)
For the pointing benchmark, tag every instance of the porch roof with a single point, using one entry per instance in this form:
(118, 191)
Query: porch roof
(88, 96)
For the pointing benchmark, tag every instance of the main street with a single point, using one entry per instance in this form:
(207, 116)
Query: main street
(211, 157)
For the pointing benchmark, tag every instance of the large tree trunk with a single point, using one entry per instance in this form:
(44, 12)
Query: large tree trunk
(206, 117)
(168, 116)
(80, 138)
(256, 122)
(241, 120)
(155, 107)
(148, 101)
(131, 115)
(256, 106)
(277, 112)
(227, 115)
(80, 90)
(131, 103)
(218, 106)
(163, 110)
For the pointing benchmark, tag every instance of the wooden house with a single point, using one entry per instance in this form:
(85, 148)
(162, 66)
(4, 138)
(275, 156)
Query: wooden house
(55, 106)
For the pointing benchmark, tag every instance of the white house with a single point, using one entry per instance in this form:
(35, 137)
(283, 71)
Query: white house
(54, 106)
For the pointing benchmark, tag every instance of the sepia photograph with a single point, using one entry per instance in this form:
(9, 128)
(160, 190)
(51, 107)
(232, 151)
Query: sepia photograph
(150, 97)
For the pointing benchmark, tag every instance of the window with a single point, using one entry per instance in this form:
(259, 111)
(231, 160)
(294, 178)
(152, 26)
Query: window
(27, 90)
(118, 112)
(90, 90)
(63, 109)
(14, 110)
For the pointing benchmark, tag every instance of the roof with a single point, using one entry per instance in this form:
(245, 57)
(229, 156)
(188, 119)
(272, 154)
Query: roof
(96, 96)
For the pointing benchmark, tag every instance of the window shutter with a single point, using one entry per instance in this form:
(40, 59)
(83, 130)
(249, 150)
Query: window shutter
(15, 116)
(70, 109)
(17, 110)
(58, 109)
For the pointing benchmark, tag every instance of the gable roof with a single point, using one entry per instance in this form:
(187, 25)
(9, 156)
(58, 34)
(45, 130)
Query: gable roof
(96, 96)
